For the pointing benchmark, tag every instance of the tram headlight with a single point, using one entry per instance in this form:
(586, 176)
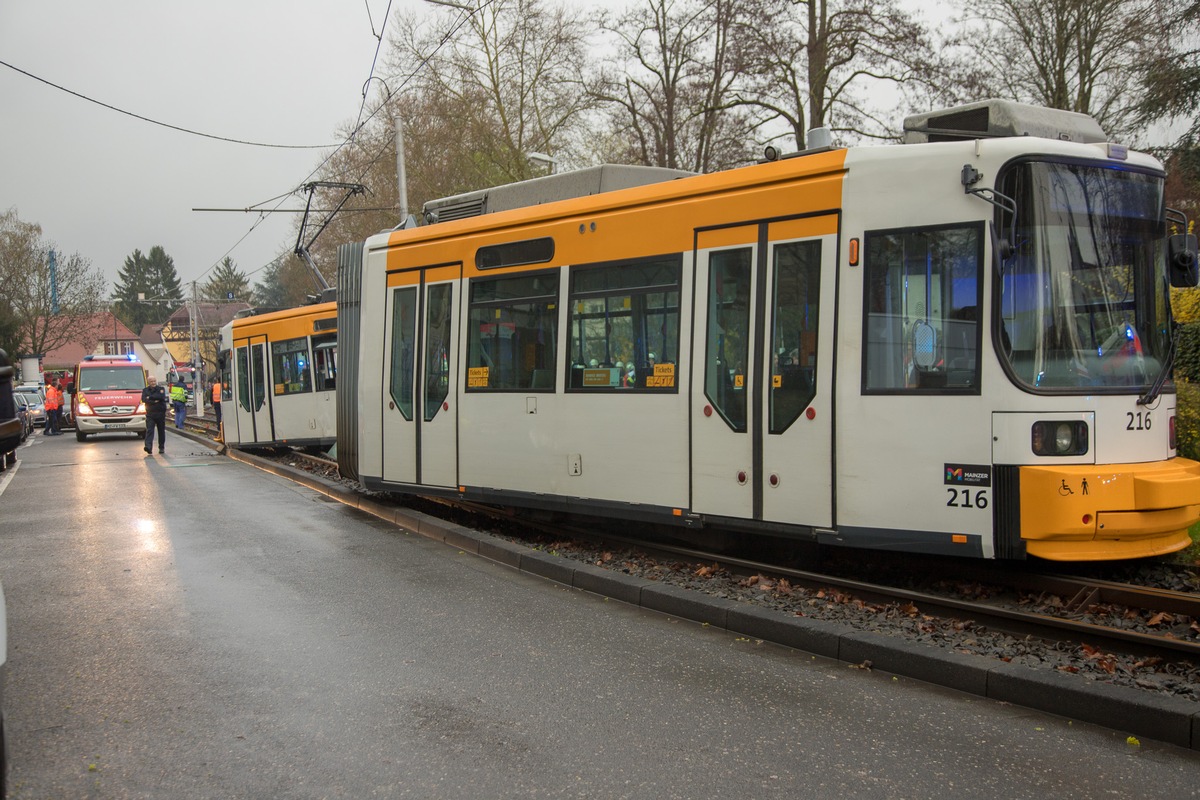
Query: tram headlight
(1059, 438)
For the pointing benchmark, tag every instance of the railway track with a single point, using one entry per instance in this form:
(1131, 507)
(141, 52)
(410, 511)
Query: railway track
(1068, 610)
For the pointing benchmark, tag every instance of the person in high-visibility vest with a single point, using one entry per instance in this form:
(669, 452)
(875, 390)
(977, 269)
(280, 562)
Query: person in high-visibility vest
(179, 403)
(53, 405)
(216, 400)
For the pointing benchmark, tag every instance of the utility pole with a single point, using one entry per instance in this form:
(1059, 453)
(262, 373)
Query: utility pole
(194, 349)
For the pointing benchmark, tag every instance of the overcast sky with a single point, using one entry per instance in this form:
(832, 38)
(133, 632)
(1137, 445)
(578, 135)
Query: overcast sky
(101, 183)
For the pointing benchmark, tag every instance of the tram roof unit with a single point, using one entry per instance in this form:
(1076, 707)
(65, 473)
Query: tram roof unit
(547, 189)
(994, 118)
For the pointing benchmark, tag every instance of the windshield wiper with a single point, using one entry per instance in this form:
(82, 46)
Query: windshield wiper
(1156, 387)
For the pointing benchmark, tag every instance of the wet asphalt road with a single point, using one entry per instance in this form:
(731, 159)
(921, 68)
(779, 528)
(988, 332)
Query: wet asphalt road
(185, 626)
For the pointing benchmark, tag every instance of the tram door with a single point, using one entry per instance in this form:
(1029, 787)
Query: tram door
(253, 412)
(420, 426)
(762, 418)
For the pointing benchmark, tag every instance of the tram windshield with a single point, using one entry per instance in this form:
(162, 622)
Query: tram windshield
(1085, 298)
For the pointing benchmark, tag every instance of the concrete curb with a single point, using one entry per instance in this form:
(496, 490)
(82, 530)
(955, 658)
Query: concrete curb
(1166, 719)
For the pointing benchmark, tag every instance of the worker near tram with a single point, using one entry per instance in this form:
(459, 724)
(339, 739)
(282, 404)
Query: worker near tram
(179, 403)
(216, 399)
(53, 405)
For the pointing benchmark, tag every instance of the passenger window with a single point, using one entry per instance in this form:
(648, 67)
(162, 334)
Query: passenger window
(243, 384)
(325, 361)
(404, 343)
(512, 333)
(289, 362)
(259, 377)
(796, 303)
(624, 326)
(923, 293)
(728, 334)
(437, 348)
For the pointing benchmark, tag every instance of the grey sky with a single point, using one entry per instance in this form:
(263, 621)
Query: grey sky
(101, 183)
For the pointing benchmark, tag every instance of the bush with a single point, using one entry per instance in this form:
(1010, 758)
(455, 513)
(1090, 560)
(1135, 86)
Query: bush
(1187, 419)
(1187, 352)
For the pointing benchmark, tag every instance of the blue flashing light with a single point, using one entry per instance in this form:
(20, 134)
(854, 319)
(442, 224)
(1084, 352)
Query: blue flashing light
(1128, 332)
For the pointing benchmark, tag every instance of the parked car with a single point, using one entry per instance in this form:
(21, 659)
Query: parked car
(38, 395)
(24, 413)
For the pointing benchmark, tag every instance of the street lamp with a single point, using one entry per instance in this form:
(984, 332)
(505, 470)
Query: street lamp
(452, 4)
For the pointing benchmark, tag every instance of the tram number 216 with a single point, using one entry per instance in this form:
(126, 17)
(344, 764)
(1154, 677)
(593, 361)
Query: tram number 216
(967, 498)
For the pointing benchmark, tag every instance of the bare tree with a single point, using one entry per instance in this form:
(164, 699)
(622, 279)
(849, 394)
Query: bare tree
(1087, 56)
(1171, 83)
(670, 87)
(26, 286)
(509, 79)
(819, 63)
(476, 95)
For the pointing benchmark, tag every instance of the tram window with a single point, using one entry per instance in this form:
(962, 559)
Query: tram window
(404, 344)
(259, 376)
(290, 366)
(511, 254)
(325, 361)
(512, 332)
(437, 348)
(624, 326)
(243, 377)
(921, 327)
(796, 302)
(728, 334)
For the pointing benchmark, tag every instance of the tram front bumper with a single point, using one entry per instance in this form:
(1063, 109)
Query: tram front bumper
(1103, 512)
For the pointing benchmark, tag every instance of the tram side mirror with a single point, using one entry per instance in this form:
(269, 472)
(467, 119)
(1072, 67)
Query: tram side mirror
(1182, 260)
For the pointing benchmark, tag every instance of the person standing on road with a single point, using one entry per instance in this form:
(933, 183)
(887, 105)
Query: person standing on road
(154, 397)
(53, 405)
(179, 403)
(216, 400)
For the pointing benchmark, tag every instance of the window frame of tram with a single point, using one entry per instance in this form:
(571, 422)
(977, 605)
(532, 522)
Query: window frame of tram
(291, 367)
(623, 326)
(512, 332)
(259, 396)
(438, 350)
(243, 371)
(324, 361)
(404, 343)
(727, 333)
(795, 331)
(921, 331)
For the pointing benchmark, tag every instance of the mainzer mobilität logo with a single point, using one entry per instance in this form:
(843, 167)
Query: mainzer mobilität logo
(969, 474)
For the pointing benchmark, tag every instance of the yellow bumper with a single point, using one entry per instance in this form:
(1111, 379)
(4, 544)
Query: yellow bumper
(1090, 512)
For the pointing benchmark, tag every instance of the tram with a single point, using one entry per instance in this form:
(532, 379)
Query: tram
(280, 368)
(957, 345)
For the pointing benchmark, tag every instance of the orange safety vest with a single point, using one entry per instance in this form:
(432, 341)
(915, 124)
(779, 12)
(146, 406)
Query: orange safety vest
(216, 392)
(52, 398)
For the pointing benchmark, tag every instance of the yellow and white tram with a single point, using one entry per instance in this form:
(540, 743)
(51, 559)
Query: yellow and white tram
(281, 371)
(959, 345)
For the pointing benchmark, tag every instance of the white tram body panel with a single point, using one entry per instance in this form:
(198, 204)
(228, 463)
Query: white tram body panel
(952, 347)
